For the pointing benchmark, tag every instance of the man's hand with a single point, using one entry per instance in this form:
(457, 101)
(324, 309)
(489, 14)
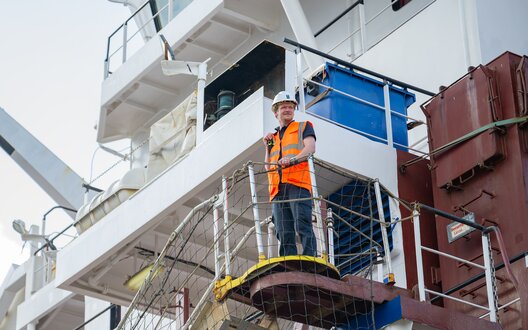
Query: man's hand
(285, 162)
(268, 140)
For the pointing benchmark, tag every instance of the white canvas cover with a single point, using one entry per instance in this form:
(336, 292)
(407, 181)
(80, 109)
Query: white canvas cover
(172, 137)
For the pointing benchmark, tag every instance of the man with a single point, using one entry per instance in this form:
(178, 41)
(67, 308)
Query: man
(289, 180)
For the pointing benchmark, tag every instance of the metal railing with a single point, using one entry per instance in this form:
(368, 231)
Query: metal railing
(128, 40)
(359, 35)
(488, 266)
(385, 81)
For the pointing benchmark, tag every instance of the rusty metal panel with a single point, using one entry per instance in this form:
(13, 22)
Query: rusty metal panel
(497, 197)
(466, 105)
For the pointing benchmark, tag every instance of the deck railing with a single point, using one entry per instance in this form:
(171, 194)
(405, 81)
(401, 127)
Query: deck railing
(488, 267)
(140, 27)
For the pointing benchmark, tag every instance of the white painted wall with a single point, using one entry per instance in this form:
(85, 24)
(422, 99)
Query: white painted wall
(502, 27)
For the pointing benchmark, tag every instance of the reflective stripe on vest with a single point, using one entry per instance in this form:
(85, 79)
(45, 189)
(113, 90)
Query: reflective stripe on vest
(290, 146)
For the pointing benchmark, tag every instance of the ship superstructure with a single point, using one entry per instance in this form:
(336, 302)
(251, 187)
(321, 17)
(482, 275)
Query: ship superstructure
(190, 84)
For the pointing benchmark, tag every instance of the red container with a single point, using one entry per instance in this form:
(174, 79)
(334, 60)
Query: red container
(487, 175)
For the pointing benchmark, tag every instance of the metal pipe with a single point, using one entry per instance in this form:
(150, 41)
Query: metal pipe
(418, 251)
(362, 28)
(443, 254)
(379, 261)
(456, 299)
(384, 236)
(330, 226)
(490, 277)
(388, 116)
(502, 307)
(317, 207)
(348, 128)
(478, 277)
(80, 326)
(256, 216)
(169, 9)
(54, 237)
(358, 68)
(338, 17)
(451, 217)
(379, 107)
(216, 244)
(202, 74)
(125, 40)
(227, 254)
(43, 229)
(271, 228)
(300, 82)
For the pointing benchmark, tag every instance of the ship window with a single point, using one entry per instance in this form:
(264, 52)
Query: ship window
(160, 9)
(398, 4)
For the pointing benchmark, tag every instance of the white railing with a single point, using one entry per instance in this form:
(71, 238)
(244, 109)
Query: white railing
(360, 38)
(488, 268)
(140, 27)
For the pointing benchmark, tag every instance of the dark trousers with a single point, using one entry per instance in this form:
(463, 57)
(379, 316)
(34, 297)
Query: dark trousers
(291, 217)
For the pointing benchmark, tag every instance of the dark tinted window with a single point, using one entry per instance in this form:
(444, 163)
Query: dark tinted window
(398, 4)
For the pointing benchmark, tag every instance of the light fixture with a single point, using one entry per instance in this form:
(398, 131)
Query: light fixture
(20, 226)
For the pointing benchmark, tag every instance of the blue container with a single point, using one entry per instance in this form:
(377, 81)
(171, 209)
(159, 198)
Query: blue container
(361, 117)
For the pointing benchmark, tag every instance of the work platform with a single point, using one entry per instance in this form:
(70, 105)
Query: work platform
(309, 290)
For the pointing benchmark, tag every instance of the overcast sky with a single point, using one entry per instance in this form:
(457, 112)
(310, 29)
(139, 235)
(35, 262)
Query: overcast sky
(51, 69)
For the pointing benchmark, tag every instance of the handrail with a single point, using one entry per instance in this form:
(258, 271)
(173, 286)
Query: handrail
(479, 276)
(122, 26)
(484, 230)
(80, 326)
(489, 270)
(49, 242)
(452, 217)
(324, 28)
(358, 68)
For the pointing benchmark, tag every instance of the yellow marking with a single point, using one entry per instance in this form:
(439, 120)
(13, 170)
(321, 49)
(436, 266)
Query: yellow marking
(222, 287)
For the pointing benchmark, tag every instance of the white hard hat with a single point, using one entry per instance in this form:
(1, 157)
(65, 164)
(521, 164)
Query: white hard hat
(282, 97)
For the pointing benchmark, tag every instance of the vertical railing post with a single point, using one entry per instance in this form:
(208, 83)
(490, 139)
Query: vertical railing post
(256, 216)
(169, 9)
(271, 229)
(216, 243)
(200, 96)
(384, 236)
(388, 114)
(125, 40)
(227, 253)
(490, 278)
(106, 68)
(379, 261)
(330, 226)
(106, 62)
(317, 208)
(300, 81)
(418, 251)
(362, 27)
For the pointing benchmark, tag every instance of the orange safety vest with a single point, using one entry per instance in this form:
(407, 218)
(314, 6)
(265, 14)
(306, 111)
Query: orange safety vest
(290, 145)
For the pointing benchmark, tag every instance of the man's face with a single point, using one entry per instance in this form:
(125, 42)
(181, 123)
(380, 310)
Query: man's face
(285, 112)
